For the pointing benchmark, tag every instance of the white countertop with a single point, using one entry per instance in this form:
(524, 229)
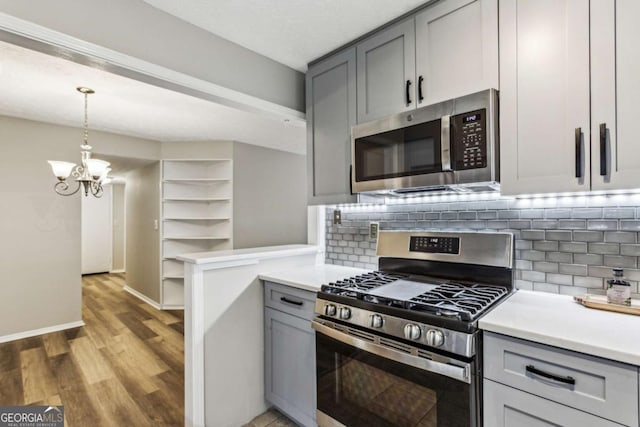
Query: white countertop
(247, 254)
(311, 278)
(559, 321)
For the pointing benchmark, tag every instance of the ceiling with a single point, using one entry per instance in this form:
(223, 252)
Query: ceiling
(293, 32)
(41, 87)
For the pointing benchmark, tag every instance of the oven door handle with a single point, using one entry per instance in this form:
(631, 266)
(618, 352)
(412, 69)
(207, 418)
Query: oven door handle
(461, 371)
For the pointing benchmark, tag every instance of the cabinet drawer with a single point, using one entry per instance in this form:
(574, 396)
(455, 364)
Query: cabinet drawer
(508, 407)
(291, 300)
(601, 387)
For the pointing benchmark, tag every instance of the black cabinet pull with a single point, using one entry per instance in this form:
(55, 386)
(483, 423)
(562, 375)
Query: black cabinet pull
(566, 380)
(603, 149)
(288, 301)
(578, 152)
(420, 96)
(408, 87)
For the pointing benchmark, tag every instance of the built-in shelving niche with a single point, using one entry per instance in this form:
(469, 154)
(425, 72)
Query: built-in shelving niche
(197, 216)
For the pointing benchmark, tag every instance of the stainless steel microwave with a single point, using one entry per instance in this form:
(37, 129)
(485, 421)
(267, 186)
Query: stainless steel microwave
(449, 145)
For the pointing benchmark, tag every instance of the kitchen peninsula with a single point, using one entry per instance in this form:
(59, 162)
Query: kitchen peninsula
(224, 329)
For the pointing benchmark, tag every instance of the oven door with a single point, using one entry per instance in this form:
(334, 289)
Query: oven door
(367, 381)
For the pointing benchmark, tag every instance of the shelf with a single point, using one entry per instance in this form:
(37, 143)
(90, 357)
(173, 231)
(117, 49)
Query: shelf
(195, 160)
(198, 199)
(195, 238)
(202, 218)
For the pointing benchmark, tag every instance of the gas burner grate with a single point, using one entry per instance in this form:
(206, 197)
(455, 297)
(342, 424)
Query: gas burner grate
(359, 286)
(456, 300)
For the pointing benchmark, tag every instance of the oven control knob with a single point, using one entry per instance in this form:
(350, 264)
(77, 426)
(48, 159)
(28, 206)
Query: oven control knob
(376, 321)
(329, 310)
(345, 313)
(411, 331)
(434, 338)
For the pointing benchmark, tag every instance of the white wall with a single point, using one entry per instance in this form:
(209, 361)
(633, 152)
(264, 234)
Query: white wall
(269, 197)
(117, 194)
(40, 244)
(142, 197)
(40, 230)
(96, 233)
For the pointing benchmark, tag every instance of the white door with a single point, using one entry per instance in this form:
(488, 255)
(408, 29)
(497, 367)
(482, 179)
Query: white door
(615, 85)
(97, 234)
(456, 49)
(544, 96)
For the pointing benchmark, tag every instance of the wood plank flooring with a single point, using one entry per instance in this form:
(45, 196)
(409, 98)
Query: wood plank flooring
(124, 368)
(271, 418)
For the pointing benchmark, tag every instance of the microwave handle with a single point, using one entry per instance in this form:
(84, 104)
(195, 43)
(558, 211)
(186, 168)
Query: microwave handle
(445, 143)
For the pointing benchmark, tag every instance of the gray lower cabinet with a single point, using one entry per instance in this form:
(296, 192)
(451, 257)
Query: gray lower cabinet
(508, 407)
(532, 384)
(331, 111)
(290, 374)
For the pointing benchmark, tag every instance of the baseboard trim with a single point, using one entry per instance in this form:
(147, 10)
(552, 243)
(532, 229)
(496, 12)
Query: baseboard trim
(142, 297)
(172, 307)
(41, 331)
(117, 271)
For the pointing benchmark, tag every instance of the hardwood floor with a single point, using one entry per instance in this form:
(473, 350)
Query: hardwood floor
(271, 418)
(124, 368)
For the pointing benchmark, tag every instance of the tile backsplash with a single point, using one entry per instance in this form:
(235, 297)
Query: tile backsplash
(564, 244)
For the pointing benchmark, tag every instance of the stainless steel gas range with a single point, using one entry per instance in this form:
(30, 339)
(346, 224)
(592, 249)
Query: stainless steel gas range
(400, 346)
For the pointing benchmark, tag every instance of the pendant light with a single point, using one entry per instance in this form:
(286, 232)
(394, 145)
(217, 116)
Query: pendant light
(90, 174)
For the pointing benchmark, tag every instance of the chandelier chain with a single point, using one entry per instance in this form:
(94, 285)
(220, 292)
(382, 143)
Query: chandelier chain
(86, 119)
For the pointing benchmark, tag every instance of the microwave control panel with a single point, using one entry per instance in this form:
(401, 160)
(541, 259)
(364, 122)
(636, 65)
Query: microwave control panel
(469, 140)
(435, 245)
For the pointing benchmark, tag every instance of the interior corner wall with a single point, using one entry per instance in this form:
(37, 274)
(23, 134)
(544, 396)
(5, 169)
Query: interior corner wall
(142, 199)
(118, 227)
(269, 197)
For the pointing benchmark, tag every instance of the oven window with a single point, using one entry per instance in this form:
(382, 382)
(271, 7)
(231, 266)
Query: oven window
(360, 389)
(413, 150)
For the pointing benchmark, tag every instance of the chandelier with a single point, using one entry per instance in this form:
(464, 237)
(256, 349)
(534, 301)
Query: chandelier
(91, 174)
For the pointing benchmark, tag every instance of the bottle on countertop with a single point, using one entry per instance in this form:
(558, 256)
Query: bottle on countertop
(618, 289)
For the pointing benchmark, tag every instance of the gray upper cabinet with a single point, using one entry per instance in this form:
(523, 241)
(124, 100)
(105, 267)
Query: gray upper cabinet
(615, 90)
(331, 111)
(456, 49)
(386, 72)
(447, 50)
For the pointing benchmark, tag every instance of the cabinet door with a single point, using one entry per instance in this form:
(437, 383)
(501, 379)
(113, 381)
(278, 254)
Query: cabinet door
(615, 86)
(386, 72)
(508, 407)
(290, 366)
(331, 111)
(544, 96)
(456, 49)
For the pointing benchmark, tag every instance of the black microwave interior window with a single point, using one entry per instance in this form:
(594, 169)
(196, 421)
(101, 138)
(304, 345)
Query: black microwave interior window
(412, 150)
